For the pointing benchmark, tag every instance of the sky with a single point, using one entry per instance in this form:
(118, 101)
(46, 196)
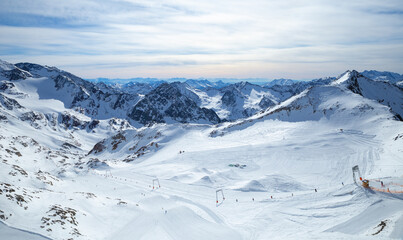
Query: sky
(204, 39)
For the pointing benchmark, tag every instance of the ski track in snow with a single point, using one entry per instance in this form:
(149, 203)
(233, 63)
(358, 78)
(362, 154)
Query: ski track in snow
(366, 152)
(11, 233)
(246, 219)
(284, 175)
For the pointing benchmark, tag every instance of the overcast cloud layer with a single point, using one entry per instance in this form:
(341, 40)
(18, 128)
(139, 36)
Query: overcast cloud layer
(182, 38)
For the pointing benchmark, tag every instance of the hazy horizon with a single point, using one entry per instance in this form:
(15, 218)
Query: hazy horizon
(209, 39)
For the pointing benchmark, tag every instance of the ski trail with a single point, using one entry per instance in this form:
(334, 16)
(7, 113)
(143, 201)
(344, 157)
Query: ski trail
(14, 233)
(170, 191)
(205, 209)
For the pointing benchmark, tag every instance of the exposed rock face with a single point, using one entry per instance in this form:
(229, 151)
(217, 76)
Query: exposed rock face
(70, 121)
(390, 77)
(142, 103)
(9, 103)
(228, 98)
(35, 69)
(32, 116)
(353, 83)
(241, 100)
(93, 124)
(6, 86)
(99, 147)
(266, 102)
(384, 92)
(16, 74)
(167, 103)
(77, 93)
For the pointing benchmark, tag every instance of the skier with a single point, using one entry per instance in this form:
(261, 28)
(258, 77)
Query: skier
(316, 190)
(253, 199)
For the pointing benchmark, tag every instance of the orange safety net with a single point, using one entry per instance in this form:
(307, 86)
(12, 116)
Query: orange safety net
(396, 184)
(386, 184)
(385, 190)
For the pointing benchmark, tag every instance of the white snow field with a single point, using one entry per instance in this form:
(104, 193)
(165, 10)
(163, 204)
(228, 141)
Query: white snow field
(284, 160)
(285, 173)
(10, 233)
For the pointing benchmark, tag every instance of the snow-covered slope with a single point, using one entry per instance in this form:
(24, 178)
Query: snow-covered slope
(285, 91)
(268, 171)
(281, 81)
(11, 72)
(205, 84)
(383, 92)
(383, 76)
(317, 103)
(104, 101)
(74, 92)
(243, 99)
(237, 100)
(130, 88)
(283, 173)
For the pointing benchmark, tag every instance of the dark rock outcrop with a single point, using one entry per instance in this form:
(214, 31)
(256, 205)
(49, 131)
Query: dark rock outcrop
(167, 102)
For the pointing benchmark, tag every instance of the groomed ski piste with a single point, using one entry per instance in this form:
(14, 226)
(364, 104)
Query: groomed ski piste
(285, 173)
(273, 196)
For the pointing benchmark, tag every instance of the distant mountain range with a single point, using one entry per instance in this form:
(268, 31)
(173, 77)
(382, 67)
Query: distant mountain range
(62, 138)
(143, 101)
(222, 82)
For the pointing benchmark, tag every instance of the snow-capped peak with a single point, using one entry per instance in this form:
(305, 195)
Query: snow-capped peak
(6, 66)
(343, 77)
(289, 164)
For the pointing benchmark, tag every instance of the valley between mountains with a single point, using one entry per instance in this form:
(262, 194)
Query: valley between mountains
(199, 160)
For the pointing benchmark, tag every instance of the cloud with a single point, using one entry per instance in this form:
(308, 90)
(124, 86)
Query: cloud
(184, 37)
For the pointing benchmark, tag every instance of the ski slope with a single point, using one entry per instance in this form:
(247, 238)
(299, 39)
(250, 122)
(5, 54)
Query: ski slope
(10, 233)
(290, 177)
(273, 196)
(284, 161)
(285, 173)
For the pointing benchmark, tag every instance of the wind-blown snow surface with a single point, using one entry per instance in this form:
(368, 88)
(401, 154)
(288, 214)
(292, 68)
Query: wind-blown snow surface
(63, 182)
(282, 159)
